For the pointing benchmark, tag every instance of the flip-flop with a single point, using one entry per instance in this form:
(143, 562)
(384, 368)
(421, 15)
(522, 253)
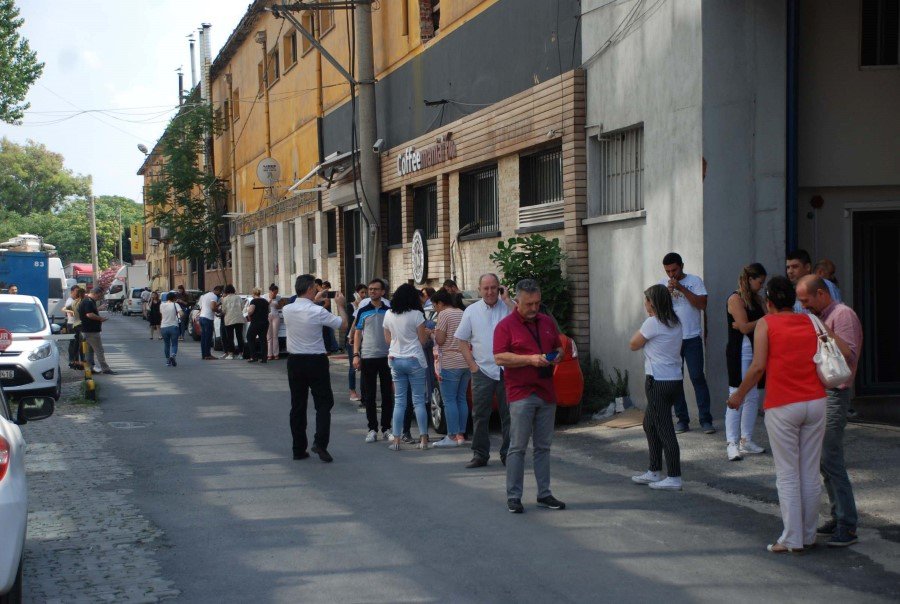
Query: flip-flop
(780, 548)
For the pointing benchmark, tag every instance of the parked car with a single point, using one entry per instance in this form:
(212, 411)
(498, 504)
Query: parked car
(14, 488)
(132, 303)
(30, 364)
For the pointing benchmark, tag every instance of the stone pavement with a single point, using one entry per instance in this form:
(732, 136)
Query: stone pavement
(86, 541)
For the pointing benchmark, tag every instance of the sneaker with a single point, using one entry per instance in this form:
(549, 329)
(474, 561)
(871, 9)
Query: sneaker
(515, 506)
(647, 477)
(734, 454)
(322, 453)
(748, 447)
(671, 483)
(708, 429)
(386, 435)
(828, 528)
(446, 442)
(407, 438)
(354, 396)
(174, 362)
(224, 356)
(842, 538)
(682, 427)
(96, 369)
(372, 436)
(551, 503)
(168, 362)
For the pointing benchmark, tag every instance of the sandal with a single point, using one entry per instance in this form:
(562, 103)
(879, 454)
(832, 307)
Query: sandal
(780, 548)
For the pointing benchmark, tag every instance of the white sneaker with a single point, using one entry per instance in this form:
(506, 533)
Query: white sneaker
(647, 477)
(386, 435)
(671, 483)
(96, 369)
(446, 442)
(734, 454)
(372, 436)
(224, 356)
(751, 448)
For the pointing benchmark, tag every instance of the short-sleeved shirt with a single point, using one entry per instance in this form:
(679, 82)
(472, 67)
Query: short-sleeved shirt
(232, 307)
(303, 322)
(89, 325)
(70, 302)
(516, 335)
(370, 321)
(260, 314)
(448, 321)
(206, 305)
(688, 314)
(842, 320)
(404, 335)
(477, 328)
(662, 352)
(168, 312)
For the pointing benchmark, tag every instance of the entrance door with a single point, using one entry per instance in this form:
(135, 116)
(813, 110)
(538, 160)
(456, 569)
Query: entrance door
(876, 262)
(353, 249)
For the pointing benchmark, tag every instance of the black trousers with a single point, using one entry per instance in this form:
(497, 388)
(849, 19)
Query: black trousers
(372, 371)
(256, 340)
(309, 372)
(228, 341)
(661, 396)
(75, 355)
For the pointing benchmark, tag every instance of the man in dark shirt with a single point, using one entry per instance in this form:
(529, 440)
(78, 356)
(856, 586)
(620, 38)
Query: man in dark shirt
(526, 346)
(91, 325)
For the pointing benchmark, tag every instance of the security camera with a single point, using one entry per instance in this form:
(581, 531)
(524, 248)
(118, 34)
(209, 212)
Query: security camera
(378, 147)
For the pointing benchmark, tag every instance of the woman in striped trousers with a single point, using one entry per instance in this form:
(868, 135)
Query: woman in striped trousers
(660, 339)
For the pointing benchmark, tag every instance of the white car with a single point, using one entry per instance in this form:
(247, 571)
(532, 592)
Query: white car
(30, 364)
(14, 489)
(132, 304)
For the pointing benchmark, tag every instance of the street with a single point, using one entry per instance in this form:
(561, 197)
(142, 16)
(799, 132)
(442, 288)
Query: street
(180, 484)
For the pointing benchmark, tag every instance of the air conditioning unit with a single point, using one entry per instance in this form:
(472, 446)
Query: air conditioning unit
(158, 234)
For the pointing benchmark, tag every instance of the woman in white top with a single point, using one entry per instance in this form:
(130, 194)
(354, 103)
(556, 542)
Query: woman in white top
(170, 320)
(275, 305)
(405, 333)
(660, 338)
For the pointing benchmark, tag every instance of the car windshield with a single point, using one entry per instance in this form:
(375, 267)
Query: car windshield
(19, 317)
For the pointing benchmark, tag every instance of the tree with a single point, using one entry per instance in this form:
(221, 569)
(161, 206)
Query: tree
(35, 179)
(19, 68)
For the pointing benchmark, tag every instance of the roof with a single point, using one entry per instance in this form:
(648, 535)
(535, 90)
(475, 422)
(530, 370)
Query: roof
(244, 29)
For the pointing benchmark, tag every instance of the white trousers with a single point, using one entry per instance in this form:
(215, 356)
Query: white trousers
(740, 422)
(795, 435)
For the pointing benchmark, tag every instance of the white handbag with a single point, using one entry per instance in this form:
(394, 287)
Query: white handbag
(831, 366)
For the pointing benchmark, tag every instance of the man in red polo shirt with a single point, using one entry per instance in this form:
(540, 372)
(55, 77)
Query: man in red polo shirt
(526, 346)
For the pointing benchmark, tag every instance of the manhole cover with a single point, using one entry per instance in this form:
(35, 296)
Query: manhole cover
(129, 425)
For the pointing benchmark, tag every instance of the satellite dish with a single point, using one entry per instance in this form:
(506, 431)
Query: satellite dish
(268, 171)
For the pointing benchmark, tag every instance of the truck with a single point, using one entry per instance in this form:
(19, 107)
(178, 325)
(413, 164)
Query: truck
(128, 278)
(29, 271)
(83, 273)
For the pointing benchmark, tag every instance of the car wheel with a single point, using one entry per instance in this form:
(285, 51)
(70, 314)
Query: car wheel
(14, 596)
(568, 415)
(438, 419)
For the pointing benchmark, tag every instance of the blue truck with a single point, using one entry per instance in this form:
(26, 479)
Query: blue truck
(30, 271)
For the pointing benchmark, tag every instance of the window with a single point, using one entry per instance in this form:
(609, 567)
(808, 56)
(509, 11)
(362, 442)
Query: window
(308, 23)
(273, 66)
(235, 105)
(395, 219)
(326, 21)
(289, 43)
(479, 200)
(425, 210)
(429, 19)
(621, 171)
(331, 229)
(540, 178)
(880, 22)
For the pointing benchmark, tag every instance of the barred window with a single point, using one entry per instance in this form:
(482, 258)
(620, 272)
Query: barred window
(395, 219)
(622, 171)
(425, 210)
(879, 29)
(479, 200)
(540, 177)
(331, 228)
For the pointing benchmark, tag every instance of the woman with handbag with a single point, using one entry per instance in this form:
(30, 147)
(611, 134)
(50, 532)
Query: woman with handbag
(785, 344)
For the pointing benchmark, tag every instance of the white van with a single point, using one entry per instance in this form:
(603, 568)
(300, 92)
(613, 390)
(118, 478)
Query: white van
(58, 291)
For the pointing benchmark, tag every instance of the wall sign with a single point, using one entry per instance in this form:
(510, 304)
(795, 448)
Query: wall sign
(419, 253)
(412, 160)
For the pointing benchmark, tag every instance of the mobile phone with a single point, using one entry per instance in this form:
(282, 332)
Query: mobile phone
(330, 294)
(551, 356)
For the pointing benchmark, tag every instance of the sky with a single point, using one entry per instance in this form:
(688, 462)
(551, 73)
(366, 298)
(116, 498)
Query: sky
(119, 56)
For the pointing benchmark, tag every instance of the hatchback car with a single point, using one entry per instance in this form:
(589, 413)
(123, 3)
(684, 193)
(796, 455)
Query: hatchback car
(30, 364)
(14, 488)
(131, 305)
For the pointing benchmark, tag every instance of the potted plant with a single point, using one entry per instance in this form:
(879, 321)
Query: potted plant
(618, 385)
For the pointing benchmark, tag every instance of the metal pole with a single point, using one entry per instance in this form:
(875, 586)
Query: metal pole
(119, 216)
(369, 162)
(94, 258)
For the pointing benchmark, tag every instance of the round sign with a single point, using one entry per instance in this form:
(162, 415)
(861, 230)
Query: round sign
(419, 253)
(268, 171)
(5, 339)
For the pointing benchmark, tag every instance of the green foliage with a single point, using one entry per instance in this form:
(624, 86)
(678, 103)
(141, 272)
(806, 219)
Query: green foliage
(19, 68)
(186, 200)
(542, 259)
(619, 384)
(35, 179)
(600, 389)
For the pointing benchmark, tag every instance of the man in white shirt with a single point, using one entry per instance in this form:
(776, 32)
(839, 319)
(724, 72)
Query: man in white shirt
(209, 304)
(477, 329)
(689, 299)
(307, 365)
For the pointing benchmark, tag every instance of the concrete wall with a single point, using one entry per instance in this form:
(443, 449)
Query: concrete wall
(744, 66)
(652, 76)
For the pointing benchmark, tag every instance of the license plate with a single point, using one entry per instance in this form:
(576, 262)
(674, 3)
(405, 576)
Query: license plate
(7, 374)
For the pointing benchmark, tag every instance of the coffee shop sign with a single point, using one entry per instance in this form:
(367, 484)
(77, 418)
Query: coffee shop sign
(413, 160)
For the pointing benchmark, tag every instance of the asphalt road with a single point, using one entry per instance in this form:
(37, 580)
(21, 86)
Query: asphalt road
(208, 446)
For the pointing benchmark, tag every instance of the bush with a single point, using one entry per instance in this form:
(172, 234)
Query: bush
(597, 391)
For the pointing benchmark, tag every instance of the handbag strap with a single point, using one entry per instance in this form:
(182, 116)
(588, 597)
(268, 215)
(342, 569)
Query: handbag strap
(821, 332)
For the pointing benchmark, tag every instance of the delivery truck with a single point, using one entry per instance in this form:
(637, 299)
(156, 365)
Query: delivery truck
(128, 278)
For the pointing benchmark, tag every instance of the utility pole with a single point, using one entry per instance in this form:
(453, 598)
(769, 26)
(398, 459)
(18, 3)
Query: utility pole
(94, 259)
(369, 162)
(119, 217)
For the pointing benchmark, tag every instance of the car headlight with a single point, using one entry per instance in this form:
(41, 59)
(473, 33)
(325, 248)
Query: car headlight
(41, 352)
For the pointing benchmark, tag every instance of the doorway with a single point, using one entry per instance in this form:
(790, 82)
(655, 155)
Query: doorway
(353, 248)
(876, 290)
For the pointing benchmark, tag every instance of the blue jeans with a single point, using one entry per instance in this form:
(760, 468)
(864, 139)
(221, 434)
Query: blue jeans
(692, 354)
(206, 337)
(170, 340)
(832, 466)
(454, 385)
(408, 375)
(351, 376)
